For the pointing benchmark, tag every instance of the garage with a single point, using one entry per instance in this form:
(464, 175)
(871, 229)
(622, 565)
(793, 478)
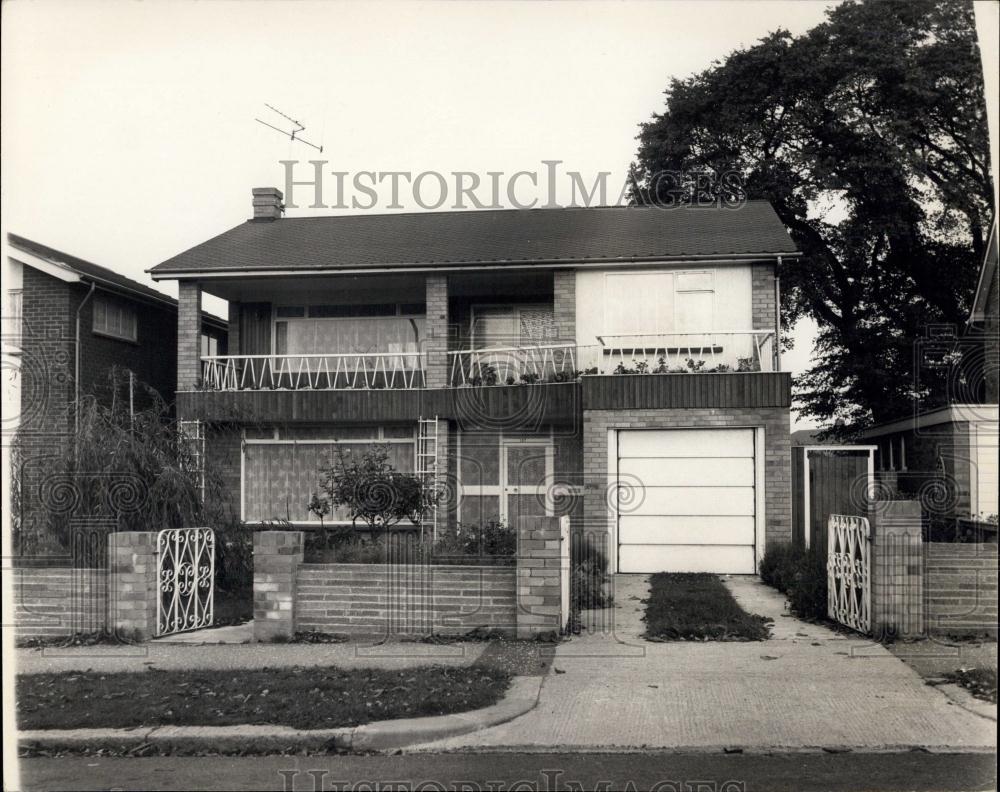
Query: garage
(687, 500)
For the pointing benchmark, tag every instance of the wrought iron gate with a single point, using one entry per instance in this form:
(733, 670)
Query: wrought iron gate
(185, 578)
(848, 564)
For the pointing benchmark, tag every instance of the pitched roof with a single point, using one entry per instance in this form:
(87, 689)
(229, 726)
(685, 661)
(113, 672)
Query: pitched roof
(987, 279)
(87, 270)
(533, 236)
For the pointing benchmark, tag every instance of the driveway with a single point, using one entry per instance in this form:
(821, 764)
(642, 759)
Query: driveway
(806, 687)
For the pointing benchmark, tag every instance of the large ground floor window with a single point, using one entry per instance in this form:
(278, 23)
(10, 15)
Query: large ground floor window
(280, 469)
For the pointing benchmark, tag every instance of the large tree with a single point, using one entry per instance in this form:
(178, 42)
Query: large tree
(868, 135)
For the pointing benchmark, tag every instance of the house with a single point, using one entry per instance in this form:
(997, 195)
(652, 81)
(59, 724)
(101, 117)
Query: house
(618, 365)
(68, 322)
(947, 456)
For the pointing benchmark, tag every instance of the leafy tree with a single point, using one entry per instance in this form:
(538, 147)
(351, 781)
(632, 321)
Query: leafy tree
(868, 136)
(371, 490)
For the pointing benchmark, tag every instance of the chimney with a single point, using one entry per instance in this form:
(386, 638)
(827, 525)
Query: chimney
(267, 203)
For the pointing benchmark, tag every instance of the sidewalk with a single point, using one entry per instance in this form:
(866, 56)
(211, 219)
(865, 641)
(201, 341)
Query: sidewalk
(807, 687)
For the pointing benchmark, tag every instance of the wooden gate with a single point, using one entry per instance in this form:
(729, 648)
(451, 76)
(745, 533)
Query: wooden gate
(848, 564)
(829, 480)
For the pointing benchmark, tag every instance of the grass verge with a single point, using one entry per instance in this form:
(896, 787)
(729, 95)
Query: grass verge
(303, 698)
(698, 607)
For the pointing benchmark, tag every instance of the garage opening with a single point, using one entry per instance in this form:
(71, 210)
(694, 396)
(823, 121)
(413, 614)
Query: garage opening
(687, 500)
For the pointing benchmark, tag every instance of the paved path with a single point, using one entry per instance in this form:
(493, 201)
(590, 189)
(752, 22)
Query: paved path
(806, 687)
(169, 656)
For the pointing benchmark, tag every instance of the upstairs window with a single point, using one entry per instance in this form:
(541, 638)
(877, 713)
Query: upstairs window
(115, 320)
(659, 303)
(209, 345)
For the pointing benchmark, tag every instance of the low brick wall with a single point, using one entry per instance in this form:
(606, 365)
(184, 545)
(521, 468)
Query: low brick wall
(376, 599)
(960, 588)
(59, 601)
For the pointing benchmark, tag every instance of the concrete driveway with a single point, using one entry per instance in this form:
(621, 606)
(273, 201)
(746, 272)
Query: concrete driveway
(806, 687)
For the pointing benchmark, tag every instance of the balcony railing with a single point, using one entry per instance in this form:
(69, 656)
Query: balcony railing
(751, 350)
(373, 370)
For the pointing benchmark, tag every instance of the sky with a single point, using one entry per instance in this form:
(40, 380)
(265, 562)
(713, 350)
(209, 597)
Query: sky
(129, 129)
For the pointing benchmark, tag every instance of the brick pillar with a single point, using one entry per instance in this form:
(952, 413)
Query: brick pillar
(564, 305)
(132, 589)
(188, 336)
(276, 559)
(538, 576)
(897, 564)
(436, 345)
(233, 341)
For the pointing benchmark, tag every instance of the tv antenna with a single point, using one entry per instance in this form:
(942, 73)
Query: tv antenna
(294, 134)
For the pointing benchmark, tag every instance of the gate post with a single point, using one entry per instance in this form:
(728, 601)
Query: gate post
(132, 591)
(276, 559)
(539, 562)
(897, 570)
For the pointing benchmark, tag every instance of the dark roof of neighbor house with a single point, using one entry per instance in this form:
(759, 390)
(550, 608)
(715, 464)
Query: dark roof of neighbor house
(531, 236)
(107, 278)
(981, 303)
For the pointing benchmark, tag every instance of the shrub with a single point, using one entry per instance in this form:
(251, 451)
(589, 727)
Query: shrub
(801, 574)
(588, 574)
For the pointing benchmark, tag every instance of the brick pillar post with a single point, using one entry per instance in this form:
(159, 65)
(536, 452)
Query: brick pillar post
(444, 508)
(897, 565)
(132, 589)
(538, 576)
(564, 305)
(188, 335)
(276, 559)
(436, 344)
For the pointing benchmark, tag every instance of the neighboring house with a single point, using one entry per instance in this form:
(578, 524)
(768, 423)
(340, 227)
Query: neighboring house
(948, 456)
(525, 361)
(68, 322)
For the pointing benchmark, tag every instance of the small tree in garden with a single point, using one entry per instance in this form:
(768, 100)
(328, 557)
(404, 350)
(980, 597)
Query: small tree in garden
(371, 490)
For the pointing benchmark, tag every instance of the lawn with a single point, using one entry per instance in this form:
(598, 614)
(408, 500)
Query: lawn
(698, 607)
(303, 698)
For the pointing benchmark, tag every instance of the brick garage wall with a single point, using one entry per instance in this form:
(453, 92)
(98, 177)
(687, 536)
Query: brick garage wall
(960, 588)
(776, 457)
(58, 601)
(375, 599)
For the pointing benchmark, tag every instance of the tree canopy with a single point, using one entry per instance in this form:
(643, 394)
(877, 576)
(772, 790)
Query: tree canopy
(868, 136)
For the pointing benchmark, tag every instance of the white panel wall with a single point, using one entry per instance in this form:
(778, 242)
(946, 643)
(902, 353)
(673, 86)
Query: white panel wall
(732, 302)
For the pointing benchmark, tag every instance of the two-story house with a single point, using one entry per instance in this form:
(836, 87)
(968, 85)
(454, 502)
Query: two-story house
(620, 365)
(68, 322)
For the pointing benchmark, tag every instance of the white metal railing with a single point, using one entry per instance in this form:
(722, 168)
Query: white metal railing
(349, 371)
(511, 365)
(848, 563)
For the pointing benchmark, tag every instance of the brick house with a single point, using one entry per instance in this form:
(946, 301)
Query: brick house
(528, 362)
(947, 456)
(68, 322)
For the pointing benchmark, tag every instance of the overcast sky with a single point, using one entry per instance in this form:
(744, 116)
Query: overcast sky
(129, 131)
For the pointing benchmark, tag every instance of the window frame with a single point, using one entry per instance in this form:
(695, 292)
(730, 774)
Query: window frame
(125, 311)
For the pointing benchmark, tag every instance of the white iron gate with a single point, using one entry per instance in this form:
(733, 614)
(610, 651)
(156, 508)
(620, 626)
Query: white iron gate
(848, 564)
(185, 579)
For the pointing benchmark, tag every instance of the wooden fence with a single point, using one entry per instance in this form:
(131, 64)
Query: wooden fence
(828, 480)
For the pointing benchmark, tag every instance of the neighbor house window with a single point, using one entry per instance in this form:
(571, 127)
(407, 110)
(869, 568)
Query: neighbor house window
(115, 320)
(281, 467)
(12, 320)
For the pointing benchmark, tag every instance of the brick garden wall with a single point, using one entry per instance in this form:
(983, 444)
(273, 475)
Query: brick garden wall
(776, 458)
(373, 599)
(58, 601)
(960, 588)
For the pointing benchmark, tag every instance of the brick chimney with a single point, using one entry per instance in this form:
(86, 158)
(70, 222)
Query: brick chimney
(267, 203)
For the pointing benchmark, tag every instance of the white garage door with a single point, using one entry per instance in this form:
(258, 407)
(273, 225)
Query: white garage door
(686, 500)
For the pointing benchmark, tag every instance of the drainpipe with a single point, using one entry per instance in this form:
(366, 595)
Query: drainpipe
(76, 380)
(777, 316)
